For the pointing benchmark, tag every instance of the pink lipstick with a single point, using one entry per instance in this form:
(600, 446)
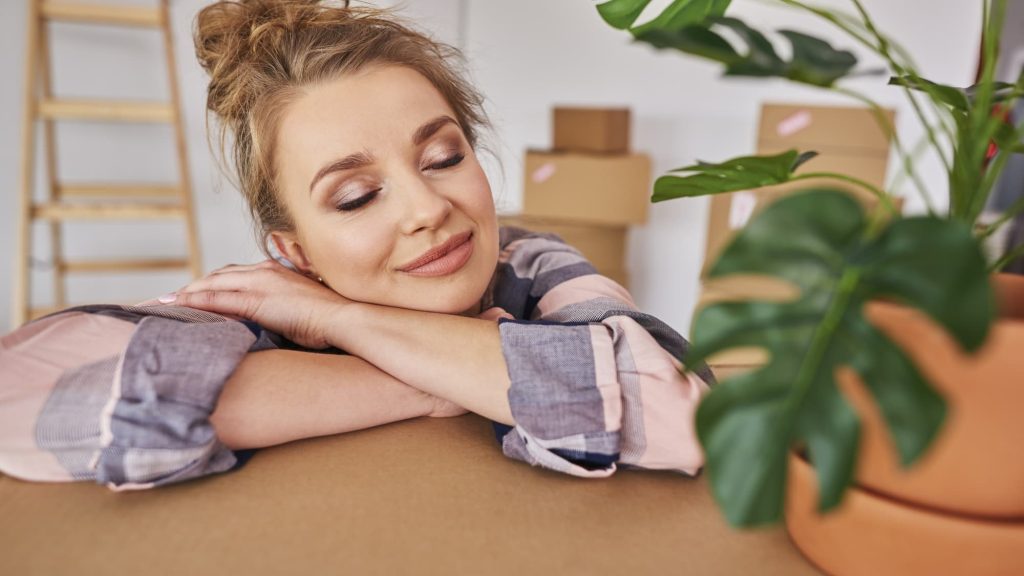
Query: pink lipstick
(442, 260)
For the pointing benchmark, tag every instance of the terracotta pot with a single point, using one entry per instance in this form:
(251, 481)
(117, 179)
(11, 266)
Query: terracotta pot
(960, 508)
(976, 465)
(872, 535)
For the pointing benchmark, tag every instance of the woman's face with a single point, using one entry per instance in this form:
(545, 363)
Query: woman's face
(377, 175)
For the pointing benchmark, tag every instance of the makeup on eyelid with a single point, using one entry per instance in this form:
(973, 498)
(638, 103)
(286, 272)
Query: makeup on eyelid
(451, 161)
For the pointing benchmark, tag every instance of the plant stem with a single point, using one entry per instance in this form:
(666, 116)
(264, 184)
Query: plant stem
(823, 335)
(915, 153)
(1010, 256)
(883, 49)
(908, 69)
(1016, 208)
(983, 101)
(989, 180)
(890, 131)
(977, 195)
(831, 17)
(882, 196)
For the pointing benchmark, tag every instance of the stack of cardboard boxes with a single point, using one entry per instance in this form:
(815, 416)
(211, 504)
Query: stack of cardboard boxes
(849, 141)
(589, 188)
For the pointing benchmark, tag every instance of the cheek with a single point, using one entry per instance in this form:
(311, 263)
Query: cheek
(477, 192)
(350, 258)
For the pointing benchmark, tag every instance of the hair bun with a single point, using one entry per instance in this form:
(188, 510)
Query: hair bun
(229, 35)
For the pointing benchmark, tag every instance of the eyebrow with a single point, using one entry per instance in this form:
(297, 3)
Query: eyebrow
(361, 159)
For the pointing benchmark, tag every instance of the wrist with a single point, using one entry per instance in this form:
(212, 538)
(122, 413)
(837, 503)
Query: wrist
(342, 322)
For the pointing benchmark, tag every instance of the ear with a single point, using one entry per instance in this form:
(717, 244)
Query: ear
(287, 243)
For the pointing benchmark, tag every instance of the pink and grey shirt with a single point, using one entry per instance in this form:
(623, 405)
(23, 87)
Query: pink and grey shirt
(122, 395)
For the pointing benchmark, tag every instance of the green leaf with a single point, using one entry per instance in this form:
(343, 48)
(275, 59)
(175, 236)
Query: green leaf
(934, 267)
(693, 40)
(743, 173)
(683, 13)
(760, 59)
(621, 13)
(949, 95)
(958, 98)
(820, 242)
(813, 60)
(754, 462)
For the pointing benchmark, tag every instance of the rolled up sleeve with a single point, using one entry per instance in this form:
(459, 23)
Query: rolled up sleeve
(596, 384)
(119, 395)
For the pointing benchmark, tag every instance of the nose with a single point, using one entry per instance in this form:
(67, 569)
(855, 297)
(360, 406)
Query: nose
(425, 206)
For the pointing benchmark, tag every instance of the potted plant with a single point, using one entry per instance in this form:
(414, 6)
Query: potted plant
(890, 379)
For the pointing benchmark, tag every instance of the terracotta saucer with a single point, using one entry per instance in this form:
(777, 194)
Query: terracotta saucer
(871, 534)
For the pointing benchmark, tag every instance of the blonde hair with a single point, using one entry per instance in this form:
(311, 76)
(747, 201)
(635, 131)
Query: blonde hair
(260, 54)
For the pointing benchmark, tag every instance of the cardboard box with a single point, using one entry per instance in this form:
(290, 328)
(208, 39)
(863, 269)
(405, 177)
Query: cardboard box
(848, 140)
(587, 188)
(429, 496)
(603, 246)
(604, 130)
(838, 128)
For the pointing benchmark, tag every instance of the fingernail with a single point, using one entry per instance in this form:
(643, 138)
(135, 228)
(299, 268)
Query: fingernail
(167, 298)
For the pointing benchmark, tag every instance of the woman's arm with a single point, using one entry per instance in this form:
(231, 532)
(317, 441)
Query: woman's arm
(277, 396)
(454, 357)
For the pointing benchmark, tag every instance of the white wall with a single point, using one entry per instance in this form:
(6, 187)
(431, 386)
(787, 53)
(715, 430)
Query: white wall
(532, 54)
(526, 56)
(102, 61)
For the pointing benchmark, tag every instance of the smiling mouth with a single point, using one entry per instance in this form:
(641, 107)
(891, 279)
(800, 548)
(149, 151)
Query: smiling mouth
(444, 259)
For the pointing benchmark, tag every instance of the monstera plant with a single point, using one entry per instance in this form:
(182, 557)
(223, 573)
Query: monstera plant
(839, 256)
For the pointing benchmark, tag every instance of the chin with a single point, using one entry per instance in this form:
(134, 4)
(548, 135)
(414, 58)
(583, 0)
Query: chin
(461, 297)
(458, 304)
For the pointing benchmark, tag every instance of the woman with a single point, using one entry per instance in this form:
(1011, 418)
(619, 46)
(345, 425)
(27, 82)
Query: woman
(354, 140)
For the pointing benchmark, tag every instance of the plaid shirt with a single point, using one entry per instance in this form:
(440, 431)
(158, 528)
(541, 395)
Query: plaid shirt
(122, 395)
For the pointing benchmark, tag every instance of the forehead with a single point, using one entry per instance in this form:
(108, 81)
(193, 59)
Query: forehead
(373, 110)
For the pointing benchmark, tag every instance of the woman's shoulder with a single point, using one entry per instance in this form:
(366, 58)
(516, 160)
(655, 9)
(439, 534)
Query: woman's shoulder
(516, 235)
(520, 240)
(532, 254)
(530, 264)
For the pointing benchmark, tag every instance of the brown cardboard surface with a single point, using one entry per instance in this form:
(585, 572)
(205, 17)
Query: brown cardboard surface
(427, 496)
(842, 129)
(848, 141)
(603, 246)
(870, 168)
(578, 129)
(598, 189)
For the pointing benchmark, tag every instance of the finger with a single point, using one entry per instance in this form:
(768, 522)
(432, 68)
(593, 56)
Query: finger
(150, 302)
(237, 268)
(495, 313)
(239, 280)
(238, 304)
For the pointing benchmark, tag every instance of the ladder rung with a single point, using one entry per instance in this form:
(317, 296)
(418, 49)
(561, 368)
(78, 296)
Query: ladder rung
(106, 110)
(119, 190)
(56, 211)
(100, 14)
(123, 265)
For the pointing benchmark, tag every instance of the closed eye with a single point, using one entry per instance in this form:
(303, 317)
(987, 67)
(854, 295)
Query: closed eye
(447, 163)
(358, 202)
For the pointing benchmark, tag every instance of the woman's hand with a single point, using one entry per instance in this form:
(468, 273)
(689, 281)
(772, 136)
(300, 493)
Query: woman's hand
(277, 298)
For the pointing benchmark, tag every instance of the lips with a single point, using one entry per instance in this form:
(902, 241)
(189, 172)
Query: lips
(437, 252)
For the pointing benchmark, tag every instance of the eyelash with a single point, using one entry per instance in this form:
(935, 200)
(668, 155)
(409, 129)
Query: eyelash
(364, 199)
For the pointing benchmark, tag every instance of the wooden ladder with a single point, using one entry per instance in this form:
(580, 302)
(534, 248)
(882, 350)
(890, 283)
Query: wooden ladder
(116, 201)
